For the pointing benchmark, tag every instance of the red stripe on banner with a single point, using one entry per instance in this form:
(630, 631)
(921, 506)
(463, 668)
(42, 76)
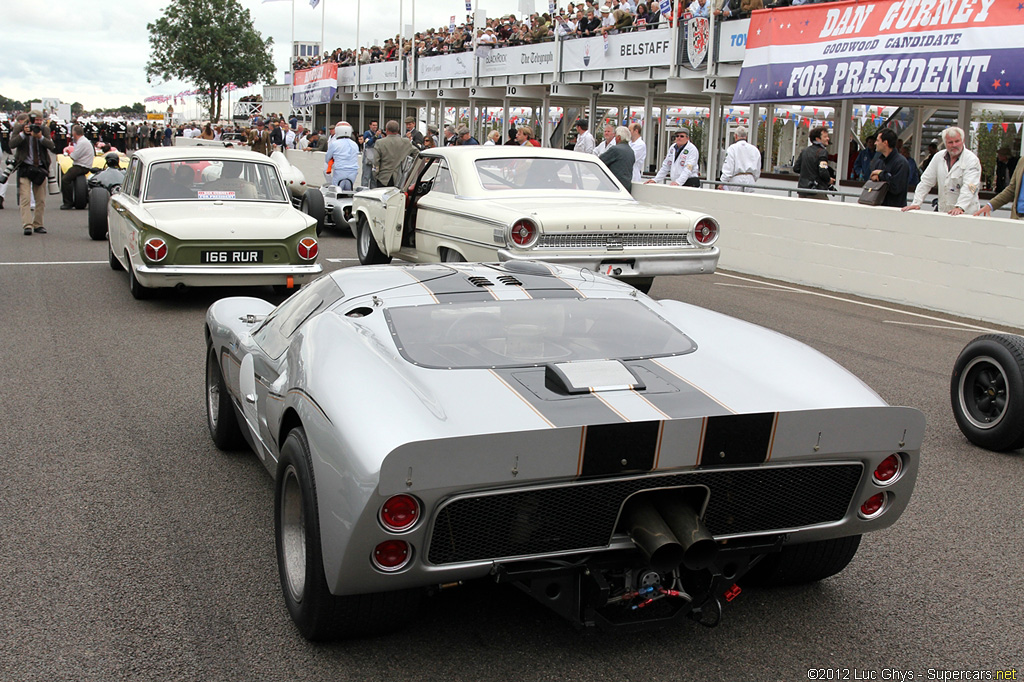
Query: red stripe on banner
(327, 71)
(851, 19)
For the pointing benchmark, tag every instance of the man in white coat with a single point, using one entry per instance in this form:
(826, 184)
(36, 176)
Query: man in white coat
(639, 147)
(608, 141)
(681, 163)
(742, 163)
(957, 174)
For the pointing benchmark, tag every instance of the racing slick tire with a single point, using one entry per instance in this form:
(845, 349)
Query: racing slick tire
(98, 213)
(220, 416)
(804, 563)
(986, 391)
(366, 246)
(318, 614)
(80, 192)
(313, 206)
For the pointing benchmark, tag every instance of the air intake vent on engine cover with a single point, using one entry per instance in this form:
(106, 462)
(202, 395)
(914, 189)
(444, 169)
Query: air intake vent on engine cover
(481, 282)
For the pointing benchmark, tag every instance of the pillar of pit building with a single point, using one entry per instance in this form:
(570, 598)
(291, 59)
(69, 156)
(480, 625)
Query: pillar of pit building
(648, 129)
(841, 133)
(714, 133)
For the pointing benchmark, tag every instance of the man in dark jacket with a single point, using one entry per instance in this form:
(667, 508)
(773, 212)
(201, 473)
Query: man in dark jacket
(891, 167)
(31, 144)
(812, 165)
(620, 158)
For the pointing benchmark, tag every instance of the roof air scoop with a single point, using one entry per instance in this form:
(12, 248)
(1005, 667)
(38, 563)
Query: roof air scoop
(590, 376)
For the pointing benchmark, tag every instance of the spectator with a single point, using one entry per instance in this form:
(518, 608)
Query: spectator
(414, 135)
(812, 165)
(742, 163)
(639, 147)
(1005, 166)
(370, 137)
(699, 8)
(722, 10)
(465, 137)
(955, 172)
(584, 140)
(913, 175)
(392, 150)
(641, 18)
(608, 141)
(30, 140)
(82, 157)
(748, 6)
(512, 136)
(607, 20)
(341, 162)
(524, 137)
(287, 136)
(317, 142)
(207, 133)
(619, 158)
(933, 149)
(862, 166)
(493, 138)
(681, 164)
(1011, 193)
(430, 140)
(890, 167)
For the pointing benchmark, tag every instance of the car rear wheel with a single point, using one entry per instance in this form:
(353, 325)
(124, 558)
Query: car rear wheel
(805, 563)
(81, 192)
(98, 213)
(320, 615)
(139, 292)
(987, 391)
(452, 256)
(313, 206)
(220, 416)
(366, 246)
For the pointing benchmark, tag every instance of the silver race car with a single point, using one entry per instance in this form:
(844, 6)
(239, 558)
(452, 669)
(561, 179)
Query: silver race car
(626, 461)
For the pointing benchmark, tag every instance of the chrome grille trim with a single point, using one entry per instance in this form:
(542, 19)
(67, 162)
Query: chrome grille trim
(614, 240)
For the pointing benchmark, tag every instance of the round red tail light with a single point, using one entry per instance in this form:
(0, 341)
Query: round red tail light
(308, 248)
(391, 555)
(706, 231)
(873, 507)
(889, 470)
(155, 249)
(524, 233)
(399, 512)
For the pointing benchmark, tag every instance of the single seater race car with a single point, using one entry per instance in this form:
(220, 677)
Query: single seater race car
(202, 216)
(80, 191)
(481, 204)
(624, 460)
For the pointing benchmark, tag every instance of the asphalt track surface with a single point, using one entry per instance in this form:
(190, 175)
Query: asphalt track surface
(132, 549)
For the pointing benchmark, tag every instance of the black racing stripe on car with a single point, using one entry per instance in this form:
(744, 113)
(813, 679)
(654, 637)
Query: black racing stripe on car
(452, 288)
(615, 449)
(576, 410)
(539, 283)
(672, 395)
(737, 439)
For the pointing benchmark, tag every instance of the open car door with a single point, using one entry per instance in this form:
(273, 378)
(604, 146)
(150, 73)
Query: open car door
(394, 219)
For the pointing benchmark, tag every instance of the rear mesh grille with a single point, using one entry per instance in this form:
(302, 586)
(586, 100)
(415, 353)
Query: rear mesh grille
(583, 515)
(603, 240)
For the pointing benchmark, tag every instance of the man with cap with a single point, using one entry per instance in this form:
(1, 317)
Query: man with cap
(392, 150)
(259, 138)
(681, 163)
(414, 135)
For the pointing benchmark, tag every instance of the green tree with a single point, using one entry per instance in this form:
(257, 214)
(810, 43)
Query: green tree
(77, 108)
(208, 43)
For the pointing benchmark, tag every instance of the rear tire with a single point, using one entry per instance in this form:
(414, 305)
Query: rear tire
(452, 256)
(366, 246)
(81, 192)
(220, 415)
(139, 292)
(313, 206)
(318, 614)
(98, 213)
(986, 391)
(805, 563)
(115, 264)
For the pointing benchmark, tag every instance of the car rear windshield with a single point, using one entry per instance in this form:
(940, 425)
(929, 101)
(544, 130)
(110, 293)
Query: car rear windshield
(532, 332)
(528, 173)
(214, 180)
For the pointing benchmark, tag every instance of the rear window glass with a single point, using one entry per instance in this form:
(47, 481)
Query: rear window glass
(526, 173)
(532, 332)
(210, 180)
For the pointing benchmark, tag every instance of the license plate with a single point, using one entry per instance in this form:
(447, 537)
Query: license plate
(231, 256)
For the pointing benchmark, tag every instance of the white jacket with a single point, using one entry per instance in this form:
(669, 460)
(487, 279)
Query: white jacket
(679, 168)
(742, 164)
(639, 148)
(957, 186)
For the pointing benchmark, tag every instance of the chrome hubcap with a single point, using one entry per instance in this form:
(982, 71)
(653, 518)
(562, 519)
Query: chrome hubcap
(983, 392)
(212, 392)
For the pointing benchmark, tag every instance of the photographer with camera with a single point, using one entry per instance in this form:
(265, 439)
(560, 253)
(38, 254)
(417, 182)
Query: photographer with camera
(30, 140)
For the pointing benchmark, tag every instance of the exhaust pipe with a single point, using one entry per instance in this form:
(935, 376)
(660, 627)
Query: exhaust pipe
(669, 533)
(699, 547)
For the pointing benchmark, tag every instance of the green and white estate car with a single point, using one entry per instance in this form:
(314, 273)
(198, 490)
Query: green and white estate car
(203, 216)
(491, 203)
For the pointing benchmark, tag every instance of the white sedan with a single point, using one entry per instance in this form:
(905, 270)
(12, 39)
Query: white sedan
(198, 216)
(481, 204)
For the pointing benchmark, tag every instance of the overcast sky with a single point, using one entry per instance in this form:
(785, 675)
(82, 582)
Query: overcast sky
(96, 52)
